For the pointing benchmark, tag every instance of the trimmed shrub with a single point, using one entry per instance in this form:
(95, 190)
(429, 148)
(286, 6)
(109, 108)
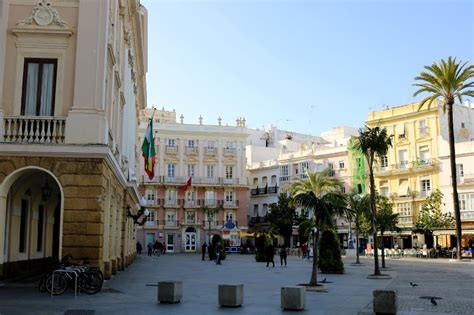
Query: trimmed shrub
(261, 243)
(329, 260)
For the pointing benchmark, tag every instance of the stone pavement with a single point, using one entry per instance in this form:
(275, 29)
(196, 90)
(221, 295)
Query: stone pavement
(134, 291)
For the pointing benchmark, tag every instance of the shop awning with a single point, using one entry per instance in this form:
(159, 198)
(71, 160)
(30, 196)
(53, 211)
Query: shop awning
(452, 232)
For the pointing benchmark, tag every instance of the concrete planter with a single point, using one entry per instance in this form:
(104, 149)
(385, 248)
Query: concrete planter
(231, 295)
(293, 298)
(170, 291)
(385, 302)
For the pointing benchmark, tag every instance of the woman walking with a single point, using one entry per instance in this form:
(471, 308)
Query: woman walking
(283, 254)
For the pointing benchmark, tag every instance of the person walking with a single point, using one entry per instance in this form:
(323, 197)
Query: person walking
(218, 253)
(283, 255)
(304, 250)
(270, 253)
(150, 249)
(139, 248)
(203, 250)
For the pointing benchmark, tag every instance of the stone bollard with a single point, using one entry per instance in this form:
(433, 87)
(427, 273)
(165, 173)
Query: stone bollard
(385, 302)
(170, 291)
(293, 298)
(231, 295)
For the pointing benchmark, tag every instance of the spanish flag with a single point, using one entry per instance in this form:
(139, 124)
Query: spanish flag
(148, 151)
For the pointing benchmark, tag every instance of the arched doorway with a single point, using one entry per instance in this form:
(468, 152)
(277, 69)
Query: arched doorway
(30, 221)
(190, 237)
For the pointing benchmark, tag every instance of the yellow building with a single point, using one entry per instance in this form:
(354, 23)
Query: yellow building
(72, 79)
(409, 172)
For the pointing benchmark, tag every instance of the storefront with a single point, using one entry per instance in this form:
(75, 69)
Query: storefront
(231, 237)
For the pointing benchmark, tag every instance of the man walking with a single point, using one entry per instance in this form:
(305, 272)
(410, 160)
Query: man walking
(203, 250)
(150, 248)
(270, 253)
(283, 254)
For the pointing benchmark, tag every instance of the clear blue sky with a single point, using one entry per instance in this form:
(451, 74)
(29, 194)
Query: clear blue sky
(302, 65)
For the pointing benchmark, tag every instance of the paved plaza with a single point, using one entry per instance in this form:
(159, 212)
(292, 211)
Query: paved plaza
(134, 291)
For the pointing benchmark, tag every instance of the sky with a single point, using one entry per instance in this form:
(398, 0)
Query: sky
(302, 65)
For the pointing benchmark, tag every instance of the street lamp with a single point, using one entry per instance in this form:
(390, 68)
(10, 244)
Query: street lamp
(141, 213)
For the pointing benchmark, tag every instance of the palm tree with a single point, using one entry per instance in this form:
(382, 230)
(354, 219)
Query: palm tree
(373, 142)
(322, 194)
(359, 206)
(448, 81)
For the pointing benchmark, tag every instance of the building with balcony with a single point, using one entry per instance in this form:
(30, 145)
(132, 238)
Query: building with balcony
(214, 156)
(72, 78)
(410, 171)
(287, 160)
(464, 138)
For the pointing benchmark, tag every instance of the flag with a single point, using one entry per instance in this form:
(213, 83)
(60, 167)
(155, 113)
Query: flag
(148, 150)
(188, 184)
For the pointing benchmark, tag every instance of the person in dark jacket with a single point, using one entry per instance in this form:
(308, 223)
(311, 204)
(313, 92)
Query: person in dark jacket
(270, 253)
(150, 249)
(218, 253)
(203, 250)
(283, 254)
(139, 248)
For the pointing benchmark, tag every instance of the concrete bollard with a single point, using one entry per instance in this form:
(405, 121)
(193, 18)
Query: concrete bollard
(293, 298)
(231, 295)
(170, 291)
(385, 302)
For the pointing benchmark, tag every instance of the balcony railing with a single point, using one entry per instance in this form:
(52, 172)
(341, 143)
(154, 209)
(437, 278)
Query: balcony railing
(284, 178)
(425, 193)
(210, 151)
(210, 202)
(34, 129)
(170, 223)
(214, 224)
(171, 149)
(422, 163)
(231, 203)
(150, 223)
(466, 179)
(405, 220)
(264, 191)
(467, 215)
(171, 202)
(423, 130)
(190, 203)
(229, 151)
(191, 150)
(230, 181)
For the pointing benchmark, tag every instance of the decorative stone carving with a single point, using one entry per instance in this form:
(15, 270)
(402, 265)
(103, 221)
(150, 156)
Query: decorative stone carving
(44, 14)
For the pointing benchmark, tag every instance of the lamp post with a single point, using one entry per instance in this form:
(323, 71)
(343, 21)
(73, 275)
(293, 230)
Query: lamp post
(142, 213)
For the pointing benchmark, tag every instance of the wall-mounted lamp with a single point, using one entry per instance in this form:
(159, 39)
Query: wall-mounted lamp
(142, 214)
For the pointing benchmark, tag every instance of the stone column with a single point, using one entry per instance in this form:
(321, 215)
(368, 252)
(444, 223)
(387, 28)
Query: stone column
(4, 8)
(3, 226)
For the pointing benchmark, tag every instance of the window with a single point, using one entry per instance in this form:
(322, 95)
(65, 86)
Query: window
(229, 145)
(265, 209)
(229, 216)
(343, 189)
(466, 202)
(229, 169)
(401, 129)
(425, 185)
(170, 216)
(424, 155)
(285, 170)
(331, 170)
(191, 169)
(255, 181)
(404, 209)
(341, 164)
(150, 196)
(39, 237)
(190, 197)
(403, 187)
(190, 216)
(39, 87)
(460, 170)
(384, 191)
(171, 143)
(229, 196)
(211, 144)
(210, 171)
(151, 217)
(190, 143)
(23, 225)
(423, 127)
(304, 166)
(463, 125)
(171, 196)
(171, 170)
(255, 209)
(273, 180)
(403, 158)
(384, 161)
(264, 181)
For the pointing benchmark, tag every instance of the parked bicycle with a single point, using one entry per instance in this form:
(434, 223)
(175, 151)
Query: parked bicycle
(85, 278)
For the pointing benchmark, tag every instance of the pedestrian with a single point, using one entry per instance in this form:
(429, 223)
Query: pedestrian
(139, 248)
(304, 250)
(156, 248)
(203, 250)
(283, 254)
(270, 253)
(218, 253)
(150, 249)
(163, 248)
(210, 250)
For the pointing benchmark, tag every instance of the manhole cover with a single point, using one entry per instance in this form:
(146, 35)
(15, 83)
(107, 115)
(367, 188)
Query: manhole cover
(431, 297)
(79, 312)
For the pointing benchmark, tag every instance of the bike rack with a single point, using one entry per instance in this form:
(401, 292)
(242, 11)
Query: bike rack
(67, 272)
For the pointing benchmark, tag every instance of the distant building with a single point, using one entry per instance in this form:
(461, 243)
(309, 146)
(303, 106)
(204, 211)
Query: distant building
(214, 157)
(72, 76)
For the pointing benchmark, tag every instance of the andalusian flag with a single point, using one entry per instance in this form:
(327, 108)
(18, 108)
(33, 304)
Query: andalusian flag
(148, 150)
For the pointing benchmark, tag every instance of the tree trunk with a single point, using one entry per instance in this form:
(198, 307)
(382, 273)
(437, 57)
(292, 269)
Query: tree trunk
(374, 213)
(357, 241)
(454, 181)
(383, 250)
(314, 274)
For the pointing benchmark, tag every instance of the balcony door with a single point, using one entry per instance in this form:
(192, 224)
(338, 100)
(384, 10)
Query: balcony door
(190, 240)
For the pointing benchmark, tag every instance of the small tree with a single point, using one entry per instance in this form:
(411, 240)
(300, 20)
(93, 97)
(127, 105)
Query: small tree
(281, 217)
(360, 209)
(330, 260)
(431, 216)
(386, 220)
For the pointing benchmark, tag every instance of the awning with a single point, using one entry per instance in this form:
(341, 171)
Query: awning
(452, 232)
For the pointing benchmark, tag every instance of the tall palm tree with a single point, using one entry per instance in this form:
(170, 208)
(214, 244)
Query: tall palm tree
(360, 208)
(322, 194)
(373, 142)
(447, 81)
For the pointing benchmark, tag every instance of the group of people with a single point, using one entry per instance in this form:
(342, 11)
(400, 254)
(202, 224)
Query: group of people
(270, 253)
(156, 248)
(215, 252)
